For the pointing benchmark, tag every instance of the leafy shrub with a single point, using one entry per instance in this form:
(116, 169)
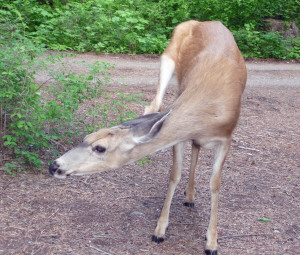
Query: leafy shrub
(36, 117)
(103, 26)
(35, 123)
(265, 45)
(126, 26)
(18, 94)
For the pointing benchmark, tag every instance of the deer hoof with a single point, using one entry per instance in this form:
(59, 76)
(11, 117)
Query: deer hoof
(190, 205)
(157, 239)
(211, 252)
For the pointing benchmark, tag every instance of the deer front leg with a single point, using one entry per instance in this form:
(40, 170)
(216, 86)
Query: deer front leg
(175, 176)
(167, 67)
(215, 183)
(190, 189)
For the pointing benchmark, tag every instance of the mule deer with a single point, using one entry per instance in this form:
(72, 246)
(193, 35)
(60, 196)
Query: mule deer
(211, 75)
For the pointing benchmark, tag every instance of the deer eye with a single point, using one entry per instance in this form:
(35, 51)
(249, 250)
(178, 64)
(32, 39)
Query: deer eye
(100, 149)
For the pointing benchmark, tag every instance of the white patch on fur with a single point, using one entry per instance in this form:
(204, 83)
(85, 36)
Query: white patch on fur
(167, 68)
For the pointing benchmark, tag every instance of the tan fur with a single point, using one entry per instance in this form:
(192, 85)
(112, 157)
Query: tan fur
(211, 75)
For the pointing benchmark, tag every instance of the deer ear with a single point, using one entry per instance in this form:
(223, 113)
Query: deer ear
(147, 126)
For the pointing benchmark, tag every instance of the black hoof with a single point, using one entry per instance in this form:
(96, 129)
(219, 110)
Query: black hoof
(157, 239)
(188, 204)
(211, 252)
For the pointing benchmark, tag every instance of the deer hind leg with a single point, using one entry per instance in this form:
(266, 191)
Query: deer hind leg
(167, 67)
(215, 182)
(190, 189)
(175, 177)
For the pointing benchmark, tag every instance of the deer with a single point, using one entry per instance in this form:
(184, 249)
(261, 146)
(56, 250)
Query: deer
(211, 75)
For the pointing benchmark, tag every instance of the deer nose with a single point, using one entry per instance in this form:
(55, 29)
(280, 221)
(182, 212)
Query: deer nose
(53, 168)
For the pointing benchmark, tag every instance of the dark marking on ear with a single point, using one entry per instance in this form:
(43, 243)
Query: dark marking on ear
(140, 119)
(146, 127)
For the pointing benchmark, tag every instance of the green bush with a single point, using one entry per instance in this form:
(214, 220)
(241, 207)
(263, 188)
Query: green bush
(265, 45)
(127, 26)
(103, 26)
(34, 123)
(35, 118)
(19, 94)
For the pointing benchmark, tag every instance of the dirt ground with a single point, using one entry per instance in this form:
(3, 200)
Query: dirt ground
(115, 212)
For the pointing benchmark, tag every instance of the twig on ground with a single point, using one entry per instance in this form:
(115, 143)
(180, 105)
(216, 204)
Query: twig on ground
(247, 148)
(235, 247)
(97, 249)
(138, 197)
(85, 181)
(58, 144)
(44, 83)
(53, 213)
(245, 235)
(10, 198)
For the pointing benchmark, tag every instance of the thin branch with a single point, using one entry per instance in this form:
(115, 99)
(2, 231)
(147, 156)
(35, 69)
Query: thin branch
(97, 249)
(41, 85)
(59, 144)
(127, 197)
(53, 213)
(1, 112)
(10, 198)
(247, 148)
(245, 235)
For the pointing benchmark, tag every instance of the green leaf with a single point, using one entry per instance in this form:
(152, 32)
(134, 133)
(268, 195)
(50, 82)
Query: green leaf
(264, 219)
(19, 14)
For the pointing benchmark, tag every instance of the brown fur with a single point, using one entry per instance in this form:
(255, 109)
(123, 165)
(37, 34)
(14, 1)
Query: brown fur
(211, 75)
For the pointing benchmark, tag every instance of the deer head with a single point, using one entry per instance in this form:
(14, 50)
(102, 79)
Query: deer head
(109, 148)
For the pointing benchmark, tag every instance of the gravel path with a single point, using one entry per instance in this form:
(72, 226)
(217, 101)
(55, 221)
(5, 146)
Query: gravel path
(140, 70)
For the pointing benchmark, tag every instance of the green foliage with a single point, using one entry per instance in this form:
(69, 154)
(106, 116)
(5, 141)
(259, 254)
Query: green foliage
(35, 118)
(142, 162)
(127, 26)
(283, 10)
(236, 13)
(35, 123)
(265, 45)
(18, 91)
(103, 26)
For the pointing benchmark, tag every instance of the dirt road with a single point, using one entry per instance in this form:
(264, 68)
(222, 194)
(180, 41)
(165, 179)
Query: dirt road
(140, 70)
(115, 212)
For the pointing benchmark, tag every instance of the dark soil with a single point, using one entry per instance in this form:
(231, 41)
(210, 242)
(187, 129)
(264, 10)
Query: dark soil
(116, 212)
